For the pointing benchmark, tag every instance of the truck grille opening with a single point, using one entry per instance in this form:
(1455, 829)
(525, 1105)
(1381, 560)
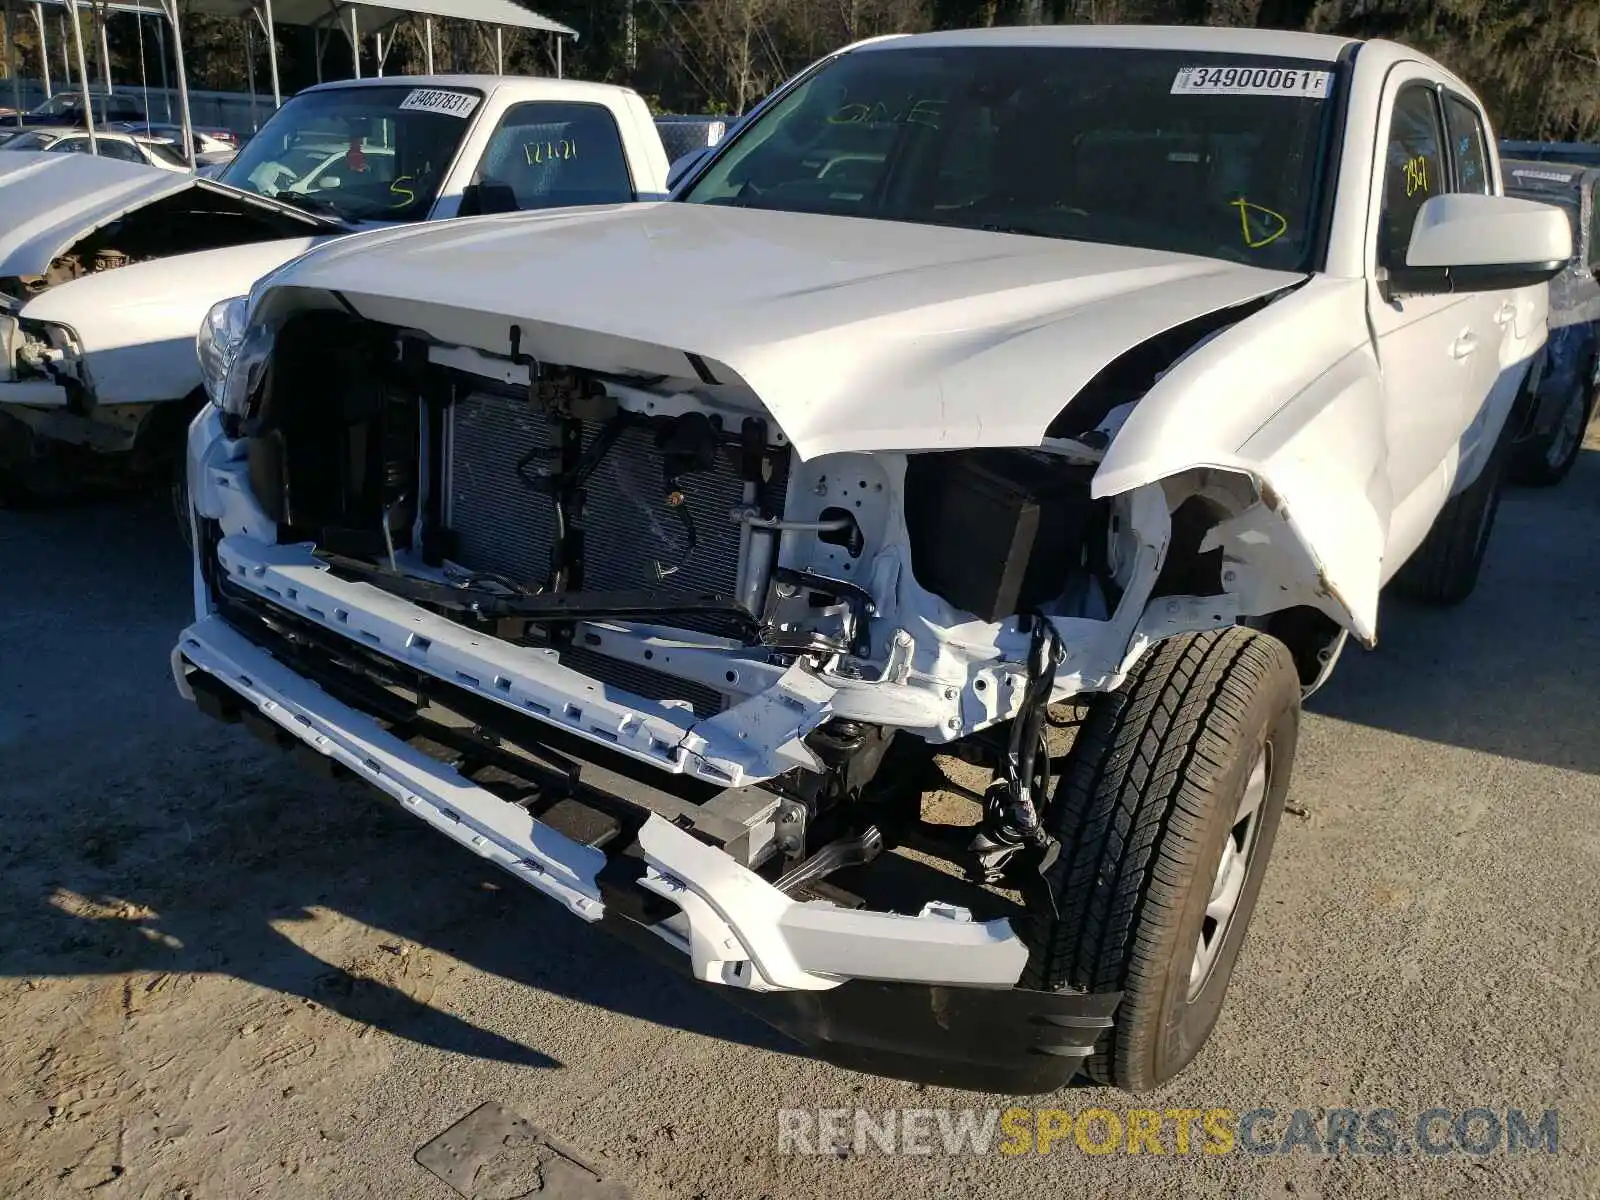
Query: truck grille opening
(503, 525)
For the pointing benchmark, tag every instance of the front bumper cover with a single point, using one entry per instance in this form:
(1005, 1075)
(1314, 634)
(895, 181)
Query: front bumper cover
(929, 997)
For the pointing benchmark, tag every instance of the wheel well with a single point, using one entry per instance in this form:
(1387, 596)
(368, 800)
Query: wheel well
(1312, 637)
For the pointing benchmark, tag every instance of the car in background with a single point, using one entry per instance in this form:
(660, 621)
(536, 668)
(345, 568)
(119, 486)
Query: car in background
(1585, 154)
(212, 147)
(1563, 376)
(154, 152)
(107, 269)
(66, 109)
(681, 134)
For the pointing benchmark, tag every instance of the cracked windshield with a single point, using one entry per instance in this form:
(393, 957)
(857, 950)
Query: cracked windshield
(1217, 155)
(357, 154)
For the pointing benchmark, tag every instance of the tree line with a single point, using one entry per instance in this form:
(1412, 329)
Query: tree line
(1536, 62)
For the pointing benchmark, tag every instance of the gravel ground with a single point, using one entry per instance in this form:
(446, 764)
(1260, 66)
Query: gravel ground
(219, 977)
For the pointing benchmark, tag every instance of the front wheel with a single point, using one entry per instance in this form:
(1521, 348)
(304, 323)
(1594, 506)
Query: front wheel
(1166, 813)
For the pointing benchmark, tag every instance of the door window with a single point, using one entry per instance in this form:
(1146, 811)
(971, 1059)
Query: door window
(1467, 140)
(126, 151)
(552, 154)
(1414, 170)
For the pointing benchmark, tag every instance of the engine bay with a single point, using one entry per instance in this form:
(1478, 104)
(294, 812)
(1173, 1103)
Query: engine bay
(668, 545)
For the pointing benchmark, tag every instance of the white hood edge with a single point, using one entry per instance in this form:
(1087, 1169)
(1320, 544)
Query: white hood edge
(49, 201)
(855, 335)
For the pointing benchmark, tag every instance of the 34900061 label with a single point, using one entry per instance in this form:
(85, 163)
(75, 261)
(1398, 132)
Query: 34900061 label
(1253, 81)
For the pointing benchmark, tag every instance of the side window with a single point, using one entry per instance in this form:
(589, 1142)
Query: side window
(71, 145)
(557, 153)
(1414, 172)
(1467, 140)
(122, 150)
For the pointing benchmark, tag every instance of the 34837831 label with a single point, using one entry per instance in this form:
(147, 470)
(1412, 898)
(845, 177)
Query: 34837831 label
(438, 100)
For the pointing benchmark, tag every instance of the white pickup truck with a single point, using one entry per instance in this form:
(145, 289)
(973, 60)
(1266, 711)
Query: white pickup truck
(106, 268)
(664, 555)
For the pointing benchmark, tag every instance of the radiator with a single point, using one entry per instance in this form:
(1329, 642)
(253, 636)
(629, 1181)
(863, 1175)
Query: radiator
(504, 526)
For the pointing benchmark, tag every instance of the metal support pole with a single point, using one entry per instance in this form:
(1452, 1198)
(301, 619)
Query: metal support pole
(83, 76)
(44, 50)
(272, 52)
(161, 50)
(170, 7)
(427, 24)
(499, 51)
(355, 41)
(250, 66)
(321, 44)
(101, 18)
(66, 53)
(11, 58)
(558, 56)
(378, 42)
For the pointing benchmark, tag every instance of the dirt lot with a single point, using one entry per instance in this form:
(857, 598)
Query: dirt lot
(219, 977)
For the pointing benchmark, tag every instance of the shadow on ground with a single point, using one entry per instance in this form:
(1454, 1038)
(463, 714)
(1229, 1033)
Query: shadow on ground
(1529, 635)
(138, 836)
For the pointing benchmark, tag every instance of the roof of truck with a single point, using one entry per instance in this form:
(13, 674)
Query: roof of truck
(487, 84)
(1270, 42)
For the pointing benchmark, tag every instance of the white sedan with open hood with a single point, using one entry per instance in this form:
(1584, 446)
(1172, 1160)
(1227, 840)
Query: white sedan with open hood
(106, 267)
(666, 555)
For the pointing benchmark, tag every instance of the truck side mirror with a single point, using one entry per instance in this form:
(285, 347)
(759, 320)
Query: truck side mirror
(1471, 243)
(490, 196)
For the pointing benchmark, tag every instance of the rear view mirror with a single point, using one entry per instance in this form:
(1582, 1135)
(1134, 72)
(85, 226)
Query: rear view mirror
(480, 199)
(1471, 243)
(684, 165)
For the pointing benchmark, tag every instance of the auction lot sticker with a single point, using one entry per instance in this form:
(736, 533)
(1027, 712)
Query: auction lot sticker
(437, 100)
(1253, 81)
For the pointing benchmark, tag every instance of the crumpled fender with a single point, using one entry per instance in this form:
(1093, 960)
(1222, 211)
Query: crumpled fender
(1292, 398)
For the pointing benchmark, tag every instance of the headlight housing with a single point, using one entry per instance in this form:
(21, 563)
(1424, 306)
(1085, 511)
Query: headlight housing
(221, 335)
(233, 355)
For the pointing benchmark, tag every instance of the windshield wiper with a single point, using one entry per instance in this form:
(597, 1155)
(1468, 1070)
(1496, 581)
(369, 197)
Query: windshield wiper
(1019, 229)
(311, 204)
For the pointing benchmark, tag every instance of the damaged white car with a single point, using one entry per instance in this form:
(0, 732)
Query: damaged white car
(106, 267)
(660, 555)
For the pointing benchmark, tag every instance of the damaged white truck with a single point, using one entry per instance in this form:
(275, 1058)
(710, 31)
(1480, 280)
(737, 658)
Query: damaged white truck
(980, 383)
(106, 267)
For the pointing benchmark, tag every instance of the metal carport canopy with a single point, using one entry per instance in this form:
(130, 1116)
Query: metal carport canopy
(331, 12)
(358, 17)
(317, 14)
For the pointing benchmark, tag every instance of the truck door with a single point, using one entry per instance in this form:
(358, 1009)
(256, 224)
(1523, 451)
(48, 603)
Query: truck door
(1510, 322)
(1430, 347)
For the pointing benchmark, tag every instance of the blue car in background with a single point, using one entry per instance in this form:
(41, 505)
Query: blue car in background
(1563, 377)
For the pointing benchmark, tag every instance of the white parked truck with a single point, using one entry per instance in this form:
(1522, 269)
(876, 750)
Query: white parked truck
(983, 392)
(106, 268)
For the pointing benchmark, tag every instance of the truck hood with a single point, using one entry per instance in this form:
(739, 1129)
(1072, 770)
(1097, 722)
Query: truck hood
(50, 201)
(855, 334)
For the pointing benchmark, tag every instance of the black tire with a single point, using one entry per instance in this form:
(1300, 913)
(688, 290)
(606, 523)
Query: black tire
(1144, 809)
(1444, 570)
(1547, 459)
(178, 488)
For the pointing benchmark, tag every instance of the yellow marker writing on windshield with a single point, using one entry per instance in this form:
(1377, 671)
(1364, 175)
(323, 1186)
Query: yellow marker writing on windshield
(1261, 225)
(404, 194)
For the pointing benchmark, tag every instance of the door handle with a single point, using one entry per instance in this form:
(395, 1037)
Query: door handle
(1507, 314)
(1464, 346)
